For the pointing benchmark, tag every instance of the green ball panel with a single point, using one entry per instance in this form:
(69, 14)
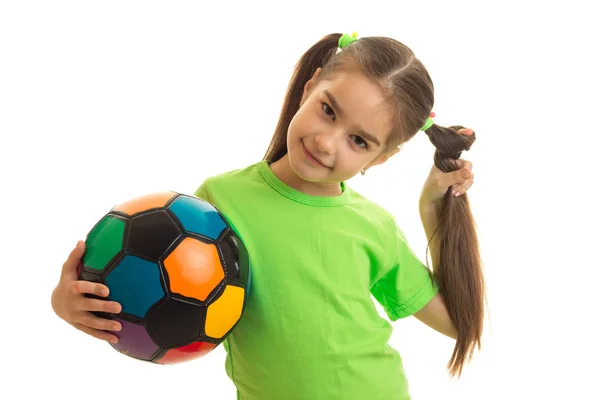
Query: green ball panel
(104, 242)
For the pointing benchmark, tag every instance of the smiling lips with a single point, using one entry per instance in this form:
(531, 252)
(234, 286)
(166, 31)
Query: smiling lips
(312, 158)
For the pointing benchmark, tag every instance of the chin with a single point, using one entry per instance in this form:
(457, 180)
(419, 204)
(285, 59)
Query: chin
(302, 172)
(302, 169)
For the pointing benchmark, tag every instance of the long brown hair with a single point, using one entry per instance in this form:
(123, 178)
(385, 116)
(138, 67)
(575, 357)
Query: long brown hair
(392, 65)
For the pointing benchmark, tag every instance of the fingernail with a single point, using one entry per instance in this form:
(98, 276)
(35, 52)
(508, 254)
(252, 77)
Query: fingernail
(114, 340)
(116, 327)
(456, 194)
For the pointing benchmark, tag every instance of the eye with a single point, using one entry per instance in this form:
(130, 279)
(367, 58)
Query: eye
(328, 111)
(360, 142)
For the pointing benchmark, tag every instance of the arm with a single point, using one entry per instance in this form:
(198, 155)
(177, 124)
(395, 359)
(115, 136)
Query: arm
(434, 314)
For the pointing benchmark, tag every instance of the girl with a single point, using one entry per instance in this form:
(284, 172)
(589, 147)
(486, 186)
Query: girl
(319, 250)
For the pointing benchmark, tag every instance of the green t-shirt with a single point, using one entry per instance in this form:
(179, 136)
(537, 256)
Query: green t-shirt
(311, 330)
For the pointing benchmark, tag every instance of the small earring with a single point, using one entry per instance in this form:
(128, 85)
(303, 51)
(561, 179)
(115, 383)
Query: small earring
(362, 172)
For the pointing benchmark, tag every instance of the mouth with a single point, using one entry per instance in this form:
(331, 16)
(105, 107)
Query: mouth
(312, 158)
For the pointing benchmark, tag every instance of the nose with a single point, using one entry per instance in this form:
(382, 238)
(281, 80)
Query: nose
(325, 143)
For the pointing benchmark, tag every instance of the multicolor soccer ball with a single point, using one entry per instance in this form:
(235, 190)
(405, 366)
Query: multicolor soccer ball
(179, 270)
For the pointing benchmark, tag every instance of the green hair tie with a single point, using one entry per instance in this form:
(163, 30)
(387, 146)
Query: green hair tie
(346, 39)
(429, 122)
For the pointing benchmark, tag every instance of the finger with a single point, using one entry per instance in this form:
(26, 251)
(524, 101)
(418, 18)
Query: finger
(462, 188)
(93, 321)
(464, 164)
(84, 287)
(466, 131)
(101, 305)
(102, 335)
(70, 265)
(458, 177)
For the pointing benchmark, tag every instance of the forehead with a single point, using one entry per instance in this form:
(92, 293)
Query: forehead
(363, 102)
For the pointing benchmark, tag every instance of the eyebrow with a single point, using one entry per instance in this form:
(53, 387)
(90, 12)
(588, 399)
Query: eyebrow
(336, 105)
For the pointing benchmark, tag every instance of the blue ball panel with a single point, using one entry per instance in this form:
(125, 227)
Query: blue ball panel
(198, 216)
(135, 284)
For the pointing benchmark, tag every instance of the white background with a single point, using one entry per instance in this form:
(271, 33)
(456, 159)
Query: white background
(102, 101)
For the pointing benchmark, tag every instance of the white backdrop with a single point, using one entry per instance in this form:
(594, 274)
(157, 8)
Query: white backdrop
(102, 101)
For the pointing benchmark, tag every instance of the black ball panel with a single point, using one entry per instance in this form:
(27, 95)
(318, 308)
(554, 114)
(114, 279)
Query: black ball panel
(150, 235)
(177, 322)
(235, 256)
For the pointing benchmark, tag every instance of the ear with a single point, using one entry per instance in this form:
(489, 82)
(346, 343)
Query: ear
(309, 85)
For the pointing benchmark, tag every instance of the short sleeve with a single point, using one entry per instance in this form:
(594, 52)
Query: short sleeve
(407, 287)
(203, 192)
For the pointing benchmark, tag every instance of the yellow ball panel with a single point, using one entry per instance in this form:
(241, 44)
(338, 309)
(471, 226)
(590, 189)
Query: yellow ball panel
(223, 314)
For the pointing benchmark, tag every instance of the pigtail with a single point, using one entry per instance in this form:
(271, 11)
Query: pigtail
(458, 269)
(317, 56)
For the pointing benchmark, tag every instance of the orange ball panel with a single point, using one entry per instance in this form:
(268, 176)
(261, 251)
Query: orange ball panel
(143, 203)
(194, 269)
(223, 314)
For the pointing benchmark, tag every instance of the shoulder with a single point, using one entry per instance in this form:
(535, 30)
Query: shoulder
(232, 178)
(229, 175)
(236, 174)
(372, 211)
(384, 228)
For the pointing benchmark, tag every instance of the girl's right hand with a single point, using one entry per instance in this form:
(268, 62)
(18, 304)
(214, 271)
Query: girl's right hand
(69, 300)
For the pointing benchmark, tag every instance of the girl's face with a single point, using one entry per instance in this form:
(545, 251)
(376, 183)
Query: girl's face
(341, 127)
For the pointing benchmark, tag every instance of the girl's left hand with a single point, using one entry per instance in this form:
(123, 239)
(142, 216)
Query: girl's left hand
(438, 182)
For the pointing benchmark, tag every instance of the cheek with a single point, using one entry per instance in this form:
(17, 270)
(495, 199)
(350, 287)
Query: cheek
(296, 126)
(304, 122)
(350, 160)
